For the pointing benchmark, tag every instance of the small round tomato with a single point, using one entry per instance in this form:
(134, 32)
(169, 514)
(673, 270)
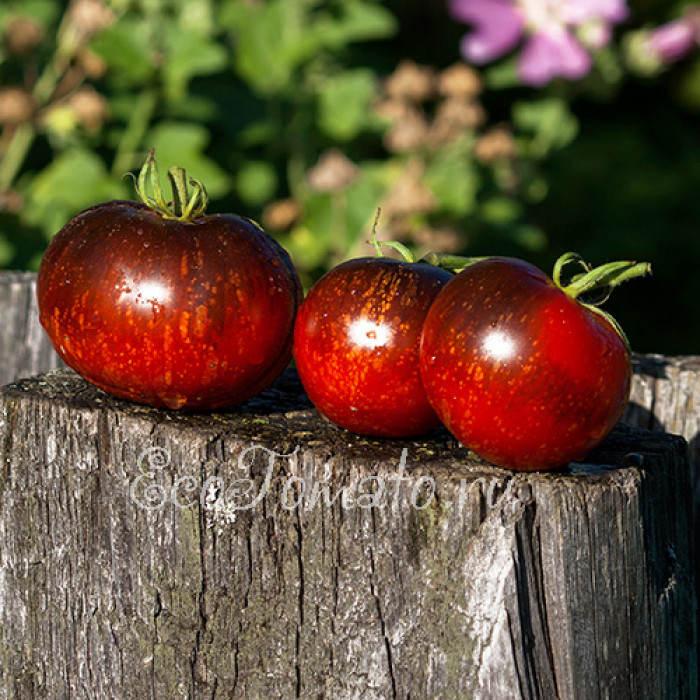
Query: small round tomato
(174, 309)
(521, 371)
(356, 345)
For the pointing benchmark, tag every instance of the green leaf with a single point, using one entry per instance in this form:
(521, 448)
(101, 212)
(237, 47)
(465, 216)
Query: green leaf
(344, 102)
(7, 251)
(74, 181)
(195, 108)
(688, 87)
(269, 38)
(360, 21)
(256, 182)
(502, 75)
(549, 120)
(197, 16)
(307, 251)
(189, 54)
(259, 132)
(310, 242)
(363, 198)
(274, 38)
(334, 223)
(501, 210)
(126, 48)
(182, 144)
(529, 237)
(454, 181)
(45, 12)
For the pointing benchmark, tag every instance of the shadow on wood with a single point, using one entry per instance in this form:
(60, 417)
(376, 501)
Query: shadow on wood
(666, 396)
(261, 552)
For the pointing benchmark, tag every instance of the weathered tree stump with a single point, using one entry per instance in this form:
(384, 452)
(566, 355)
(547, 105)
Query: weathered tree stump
(261, 552)
(666, 396)
(24, 347)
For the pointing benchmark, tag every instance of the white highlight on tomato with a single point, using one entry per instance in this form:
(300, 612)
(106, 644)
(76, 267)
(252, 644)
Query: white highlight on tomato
(499, 345)
(368, 334)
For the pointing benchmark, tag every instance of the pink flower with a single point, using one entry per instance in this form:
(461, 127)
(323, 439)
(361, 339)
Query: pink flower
(555, 33)
(670, 42)
(498, 26)
(546, 56)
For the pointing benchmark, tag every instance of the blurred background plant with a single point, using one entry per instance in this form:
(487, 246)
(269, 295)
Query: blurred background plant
(520, 127)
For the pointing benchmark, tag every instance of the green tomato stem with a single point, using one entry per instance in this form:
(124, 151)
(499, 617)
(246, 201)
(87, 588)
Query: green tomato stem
(183, 207)
(373, 237)
(602, 279)
(405, 252)
(595, 284)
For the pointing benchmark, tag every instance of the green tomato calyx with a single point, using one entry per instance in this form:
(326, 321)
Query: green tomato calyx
(592, 286)
(184, 207)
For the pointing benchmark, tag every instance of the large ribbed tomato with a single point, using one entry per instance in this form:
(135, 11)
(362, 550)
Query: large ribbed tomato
(195, 312)
(520, 370)
(357, 341)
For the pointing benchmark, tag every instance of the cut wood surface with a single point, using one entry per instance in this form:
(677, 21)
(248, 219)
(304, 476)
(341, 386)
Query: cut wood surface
(263, 553)
(24, 347)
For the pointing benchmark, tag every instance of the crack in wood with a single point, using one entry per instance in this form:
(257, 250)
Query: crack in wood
(378, 604)
(300, 601)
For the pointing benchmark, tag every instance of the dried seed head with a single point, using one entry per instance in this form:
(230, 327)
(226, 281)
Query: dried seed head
(93, 66)
(11, 201)
(459, 80)
(453, 117)
(90, 107)
(281, 215)
(407, 134)
(22, 34)
(333, 172)
(495, 144)
(461, 111)
(444, 239)
(408, 194)
(391, 109)
(87, 18)
(411, 82)
(16, 106)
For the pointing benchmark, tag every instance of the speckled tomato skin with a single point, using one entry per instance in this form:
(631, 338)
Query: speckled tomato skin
(518, 371)
(356, 345)
(194, 316)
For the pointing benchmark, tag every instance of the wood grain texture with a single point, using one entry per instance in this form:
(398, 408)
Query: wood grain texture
(666, 396)
(24, 347)
(575, 584)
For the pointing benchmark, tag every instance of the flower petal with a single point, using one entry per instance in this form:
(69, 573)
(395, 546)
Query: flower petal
(672, 41)
(548, 55)
(615, 11)
(498, 26)
(577, 12)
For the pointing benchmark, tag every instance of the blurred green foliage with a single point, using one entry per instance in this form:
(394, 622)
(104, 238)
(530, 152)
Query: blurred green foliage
(309, 114)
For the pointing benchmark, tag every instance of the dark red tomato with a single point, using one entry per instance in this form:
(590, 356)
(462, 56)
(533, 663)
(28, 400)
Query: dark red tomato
(356, 345)
(518, 370)
(183, 314)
